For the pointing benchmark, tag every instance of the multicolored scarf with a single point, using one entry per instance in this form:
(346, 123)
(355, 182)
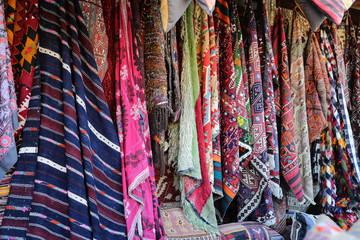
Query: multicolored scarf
(270, 82)
(313, 74)
(22, 30)
(297, 83)
(94, 19)
(355, 95)
(140, 200)
(77, 190)
(156, 80)
(202, 41)
(198, 205)
(229, 129)
(251, 192)
(8, 107)
(342, 89)
(285, 111)
(215, 109)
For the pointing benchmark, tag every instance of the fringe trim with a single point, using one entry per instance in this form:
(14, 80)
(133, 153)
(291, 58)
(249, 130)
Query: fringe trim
(276, 190)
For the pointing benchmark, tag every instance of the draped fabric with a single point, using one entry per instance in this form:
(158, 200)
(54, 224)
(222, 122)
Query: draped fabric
(251, 192)
(342, 170)
(198, 205)
(141, 206)
(94, 18)
(156, 80)
(22, 29)
(215, 108)
(313, 74)
(355, 95)
(229, 130)
(349, 49)
(108, 82)
(285, 111)
(270, 82)
(339, 70)
(297, 82)
(77, 170)
(8, 106)
(202, 41)
(22, 183)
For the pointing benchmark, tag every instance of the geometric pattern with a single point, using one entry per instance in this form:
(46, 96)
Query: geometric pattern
(23, 39)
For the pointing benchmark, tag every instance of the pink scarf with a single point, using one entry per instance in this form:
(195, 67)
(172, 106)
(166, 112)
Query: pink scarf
(140, 200)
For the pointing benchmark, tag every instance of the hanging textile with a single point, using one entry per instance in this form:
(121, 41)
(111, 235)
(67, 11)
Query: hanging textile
(349, 49)
(285, 111)
(8, 106)
(202, 41)
(342, 177)
(215, 108)
(198, 205)
(297, 82)
(22, 184)
(140, 201)
(78, 162)
(343, 95)
(108, 82)
(229, 130)
(156, 81)
(22, 29)
(94, 19)
(313, 75)
(355, 94)
(270, 82)
(252, 193)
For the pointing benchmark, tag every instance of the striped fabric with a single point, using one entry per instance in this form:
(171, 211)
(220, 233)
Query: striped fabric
(22, 185)
(77, 191)
(334, 9)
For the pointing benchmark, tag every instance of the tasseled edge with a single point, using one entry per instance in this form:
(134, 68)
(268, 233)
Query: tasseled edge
(158, 121)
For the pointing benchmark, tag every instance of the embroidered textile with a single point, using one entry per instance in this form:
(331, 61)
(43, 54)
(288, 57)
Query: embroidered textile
(270, 82)
(202, 42)
(215, 108)
(23, 40)
(156, 80)
(297, 83)
(8, 106)
(251, 192)
(108, 82)
(313, 74)
(339, 70)
(94, 19)
(285, 111)
(198, 204)
(355, 95)
(78, 162)
(229, 130)
(140, 201)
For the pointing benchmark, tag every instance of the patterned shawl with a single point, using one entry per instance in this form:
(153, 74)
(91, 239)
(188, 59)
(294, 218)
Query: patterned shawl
(342, 90)
(94, 19)
(22, 30)
(350, 49)
(285, 111)
(297, 81)
(344, 178)
(141, 207)
(195, 186)
(355, 95)
(215, 108)
(254, 179)
(8, 107)
(313, 74)
(229, 130)
(202, 41)
(156, 80)
(78, 162)
(270, 82)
